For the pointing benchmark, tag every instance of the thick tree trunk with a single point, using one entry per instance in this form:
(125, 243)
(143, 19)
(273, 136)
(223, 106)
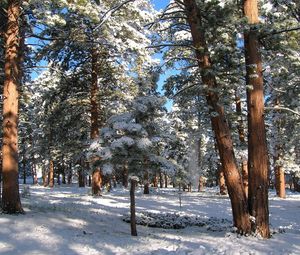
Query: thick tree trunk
(11, 202)
(132, 208)
(96, 175)
(96, 182)
(70, 174)
(219, 124)
(257, 145)
(51, 174)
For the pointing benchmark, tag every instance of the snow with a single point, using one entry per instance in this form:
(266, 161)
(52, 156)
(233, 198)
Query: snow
(67, 220)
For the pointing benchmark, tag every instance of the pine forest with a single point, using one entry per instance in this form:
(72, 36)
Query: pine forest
(150, 127)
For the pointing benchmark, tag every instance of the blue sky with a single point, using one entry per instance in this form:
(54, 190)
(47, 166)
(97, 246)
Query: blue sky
(160, 4)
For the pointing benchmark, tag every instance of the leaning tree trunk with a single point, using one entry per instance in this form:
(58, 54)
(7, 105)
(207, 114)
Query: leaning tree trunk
(219, 124)
(11, 202)
(96, 175)
(257, 145)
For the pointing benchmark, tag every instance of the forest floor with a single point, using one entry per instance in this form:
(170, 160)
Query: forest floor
(67, 220)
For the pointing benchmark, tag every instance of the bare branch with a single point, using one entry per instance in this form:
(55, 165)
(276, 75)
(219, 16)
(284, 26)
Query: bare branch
(278, 107)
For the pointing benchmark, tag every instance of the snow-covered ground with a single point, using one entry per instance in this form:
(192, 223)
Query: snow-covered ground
(67, 220)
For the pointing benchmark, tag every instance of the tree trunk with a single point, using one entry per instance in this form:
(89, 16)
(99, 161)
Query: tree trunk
(280, 181)
(11, 202)
(81, 179)
(161, 180)
(96, 182)
(245, 176)
(146, 182)
(132, 208)
(155, 181)
(222, 185)
(219, 124)
(70, 174)
(96, 175)
(44, 177)
(125, 175)
(200, 184)
(51, 174)
(257, 145)
(166, 180)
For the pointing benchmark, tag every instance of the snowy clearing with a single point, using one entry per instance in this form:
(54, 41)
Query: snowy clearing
(67, 220)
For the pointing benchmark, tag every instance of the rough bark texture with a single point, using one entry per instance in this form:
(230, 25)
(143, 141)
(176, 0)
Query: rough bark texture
(97, 175)
(51, 174)
(257, 145)
(132, 208)
(219, 123)
(11, 202)
(280, 181)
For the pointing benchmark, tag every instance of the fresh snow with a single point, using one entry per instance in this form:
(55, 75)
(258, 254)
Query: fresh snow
(67, 220)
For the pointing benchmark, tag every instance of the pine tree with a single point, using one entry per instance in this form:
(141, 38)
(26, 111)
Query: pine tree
(10, 196)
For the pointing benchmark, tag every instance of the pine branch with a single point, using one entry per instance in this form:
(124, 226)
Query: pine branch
(170, 45)
(278, 107)
(110, 12)
(279, 32)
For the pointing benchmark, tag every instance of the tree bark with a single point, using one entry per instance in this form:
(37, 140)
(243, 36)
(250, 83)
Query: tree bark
(51, 174)
(96, 182)
(132, 208)
(257, 145)
(219, 124)
(280, 181)
(96, 175)
(81, 178)
(245, 176)
(200, 184)
(11, 202)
